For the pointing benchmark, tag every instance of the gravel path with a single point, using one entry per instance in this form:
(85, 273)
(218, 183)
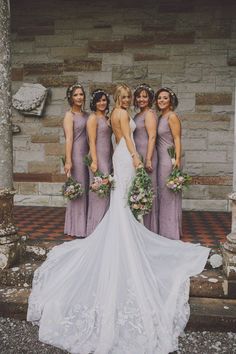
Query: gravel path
(20, 337)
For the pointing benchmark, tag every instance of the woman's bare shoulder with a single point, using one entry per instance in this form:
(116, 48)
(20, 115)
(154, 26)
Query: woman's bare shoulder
(68, 116)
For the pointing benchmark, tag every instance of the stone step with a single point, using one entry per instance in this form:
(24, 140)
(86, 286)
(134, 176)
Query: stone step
(19, 276)
(212, 314)
(206, 313)
(210, 283)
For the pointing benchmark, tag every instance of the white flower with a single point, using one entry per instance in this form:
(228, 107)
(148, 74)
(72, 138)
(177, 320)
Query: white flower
(216, 260)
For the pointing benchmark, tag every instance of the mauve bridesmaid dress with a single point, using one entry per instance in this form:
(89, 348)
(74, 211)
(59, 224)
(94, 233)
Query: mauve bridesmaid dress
(141, 142)
(76, 211)
(170, 203)
(98, 206)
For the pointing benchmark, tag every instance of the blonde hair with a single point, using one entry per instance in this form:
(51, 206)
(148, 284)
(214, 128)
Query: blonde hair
(118, 93)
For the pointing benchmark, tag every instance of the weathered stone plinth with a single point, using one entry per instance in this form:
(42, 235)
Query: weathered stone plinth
(229, 249)
(10, 245)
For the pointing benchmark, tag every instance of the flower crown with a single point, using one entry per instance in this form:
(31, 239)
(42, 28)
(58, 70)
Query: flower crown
(96, 92)
(169, 90)
(71, 88)
(144, 87)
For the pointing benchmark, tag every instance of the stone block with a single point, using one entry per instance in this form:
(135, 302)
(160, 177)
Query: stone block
(225, 138)
(54, 41)
(139, 41)
(196, 133)
(82, 65)
(54, 109)
(47, 138)
(57, 201)
(44, 167)
(161, 67)
(17, 74)
(194, 168)
(57, 81)
(53, 121)
(176, 7)
(196, 192)
(206, 156)
(69, 52)
(117, 59)
(214, 98)
(54, 149)
(112, 46)
(37, 29)
(41, 200)
(43, 69)
(219, 192)
(108, 87)
(29, 155)
(217, 169)
(94, 76)
(50, 188)
(130, 72)
(194, 144)
(231, 61)
(209, 205)
(172, 37)
(93, 33)
(21, 142)
(23, 47)
(24, 58)
(150, 57)
(28, 188)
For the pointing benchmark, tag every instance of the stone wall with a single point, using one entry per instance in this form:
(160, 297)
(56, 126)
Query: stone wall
(187, 45)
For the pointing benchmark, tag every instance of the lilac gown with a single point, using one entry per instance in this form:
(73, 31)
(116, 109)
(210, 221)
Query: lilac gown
(170, 203)
(141, 142)
(98, 206)
(76, 211)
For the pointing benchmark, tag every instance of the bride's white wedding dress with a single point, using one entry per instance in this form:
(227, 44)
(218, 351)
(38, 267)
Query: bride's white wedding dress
(122, 290)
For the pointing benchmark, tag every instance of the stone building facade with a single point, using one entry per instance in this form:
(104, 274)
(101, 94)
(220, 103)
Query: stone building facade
(187, 45)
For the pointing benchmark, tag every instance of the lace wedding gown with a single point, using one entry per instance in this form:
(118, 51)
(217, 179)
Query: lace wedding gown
(122, 290)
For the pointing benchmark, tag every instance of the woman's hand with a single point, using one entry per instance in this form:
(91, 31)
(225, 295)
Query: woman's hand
(148, 165)
(67, 168)
(94, 167)
(177, 164)
(137, 162)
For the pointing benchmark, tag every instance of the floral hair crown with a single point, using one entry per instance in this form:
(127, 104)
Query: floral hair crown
(96, 92)
(71, 88)
(144, 87)
(169, 90)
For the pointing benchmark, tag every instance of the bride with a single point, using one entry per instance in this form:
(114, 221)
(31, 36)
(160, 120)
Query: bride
(124, 289)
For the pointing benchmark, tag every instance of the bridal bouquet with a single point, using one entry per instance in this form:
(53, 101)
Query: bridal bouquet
(102, 183)
(140, 196)
(72, 189)
(178, 179)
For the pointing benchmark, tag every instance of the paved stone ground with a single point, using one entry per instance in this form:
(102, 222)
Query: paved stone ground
(20, 337)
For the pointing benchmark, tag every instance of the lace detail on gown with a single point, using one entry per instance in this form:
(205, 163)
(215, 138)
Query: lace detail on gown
(122, 290)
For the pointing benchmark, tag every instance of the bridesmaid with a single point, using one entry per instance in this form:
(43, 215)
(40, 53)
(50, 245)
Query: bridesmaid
(99, 134)
(145, 141)
(168, 134)
(76, 148)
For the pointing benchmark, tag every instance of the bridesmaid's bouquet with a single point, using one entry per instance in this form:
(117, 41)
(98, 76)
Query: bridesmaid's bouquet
(141, 195)
(102, 183)
(72, 189)
(178, 179)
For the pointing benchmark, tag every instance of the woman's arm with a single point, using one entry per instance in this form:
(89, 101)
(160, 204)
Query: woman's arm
(125, 128)
(92, 135)
(68, 129)
(151, 127)
(175, 128)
